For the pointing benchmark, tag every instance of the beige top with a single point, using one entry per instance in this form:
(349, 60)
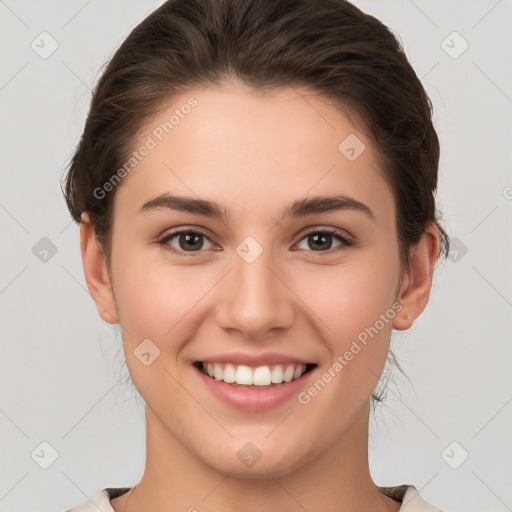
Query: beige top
(408, 495)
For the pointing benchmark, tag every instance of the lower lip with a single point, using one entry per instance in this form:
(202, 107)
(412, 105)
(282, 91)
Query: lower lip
(254, 399)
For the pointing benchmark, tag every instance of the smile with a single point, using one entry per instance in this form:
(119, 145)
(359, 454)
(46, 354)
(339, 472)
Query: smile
(261, 377)
(254, 388)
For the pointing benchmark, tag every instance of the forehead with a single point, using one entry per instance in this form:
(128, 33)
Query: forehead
(248, 149)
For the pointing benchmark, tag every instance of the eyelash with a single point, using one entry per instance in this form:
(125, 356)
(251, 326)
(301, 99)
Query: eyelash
(336, 234)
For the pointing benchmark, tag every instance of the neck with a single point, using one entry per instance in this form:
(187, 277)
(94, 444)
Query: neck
(175, 479)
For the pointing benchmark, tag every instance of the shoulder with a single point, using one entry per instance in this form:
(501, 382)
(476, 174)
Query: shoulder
(410, 498)
(101, 502)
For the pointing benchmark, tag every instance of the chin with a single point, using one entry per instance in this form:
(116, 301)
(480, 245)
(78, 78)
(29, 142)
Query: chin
(261, 467)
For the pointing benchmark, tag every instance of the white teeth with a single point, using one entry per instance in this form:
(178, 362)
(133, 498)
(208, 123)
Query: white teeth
(217, 371)
(288, 374)
(298, 372)
(260, 376)
(277, 375)
(243, 375)
(229, 375)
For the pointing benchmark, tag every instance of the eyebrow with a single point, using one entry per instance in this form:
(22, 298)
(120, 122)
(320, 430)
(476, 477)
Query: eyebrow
(299, 208)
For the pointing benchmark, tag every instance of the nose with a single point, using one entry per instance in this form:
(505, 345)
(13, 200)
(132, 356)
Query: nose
(255, 298)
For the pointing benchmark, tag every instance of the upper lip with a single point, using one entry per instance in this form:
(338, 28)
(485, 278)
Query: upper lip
(267, 358)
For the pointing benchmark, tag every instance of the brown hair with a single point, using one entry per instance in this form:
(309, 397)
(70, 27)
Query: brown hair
(328, 46)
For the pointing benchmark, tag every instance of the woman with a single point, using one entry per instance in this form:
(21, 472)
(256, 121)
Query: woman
(255, 187)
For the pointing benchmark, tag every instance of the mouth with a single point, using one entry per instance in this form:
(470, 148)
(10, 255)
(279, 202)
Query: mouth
(254, 377)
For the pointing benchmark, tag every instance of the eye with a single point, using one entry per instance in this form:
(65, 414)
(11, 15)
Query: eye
(323, 240)
(188, 241)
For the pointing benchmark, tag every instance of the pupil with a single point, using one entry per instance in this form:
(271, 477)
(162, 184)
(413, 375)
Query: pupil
(322, 237)
(191, 237)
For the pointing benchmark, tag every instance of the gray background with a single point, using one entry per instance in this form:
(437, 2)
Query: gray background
(62, 375)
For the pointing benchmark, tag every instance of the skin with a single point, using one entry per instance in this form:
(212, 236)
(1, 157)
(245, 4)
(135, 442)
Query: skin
(255, 154)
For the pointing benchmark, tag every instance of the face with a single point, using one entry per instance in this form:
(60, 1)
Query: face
(264, 278)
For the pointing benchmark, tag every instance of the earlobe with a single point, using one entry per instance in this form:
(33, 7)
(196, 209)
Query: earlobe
(415, 292)
(96, 273)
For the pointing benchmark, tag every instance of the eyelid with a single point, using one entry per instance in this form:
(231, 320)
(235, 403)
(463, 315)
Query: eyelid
(331, 231)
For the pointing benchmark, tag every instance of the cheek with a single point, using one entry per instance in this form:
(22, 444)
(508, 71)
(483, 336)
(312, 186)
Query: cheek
(157, 302)
(348, 298)
(361, 321)
(155, 298)
(355, 305)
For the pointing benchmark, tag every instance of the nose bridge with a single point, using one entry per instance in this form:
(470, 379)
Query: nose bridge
(255, 300)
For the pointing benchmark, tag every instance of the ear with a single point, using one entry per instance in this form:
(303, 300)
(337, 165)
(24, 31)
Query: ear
(96, 273)
(417, 283)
